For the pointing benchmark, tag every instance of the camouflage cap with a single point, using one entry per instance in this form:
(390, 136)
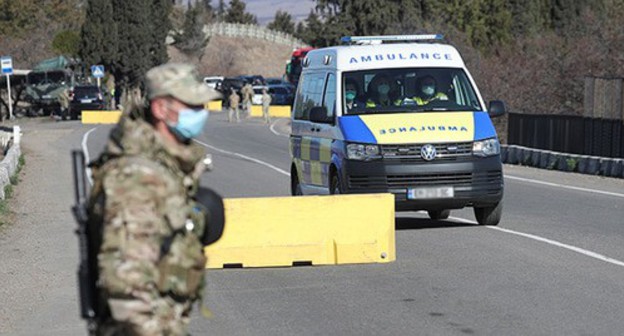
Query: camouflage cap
(179, 81)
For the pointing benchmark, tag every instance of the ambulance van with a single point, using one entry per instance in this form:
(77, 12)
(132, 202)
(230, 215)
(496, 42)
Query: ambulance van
(400, 115)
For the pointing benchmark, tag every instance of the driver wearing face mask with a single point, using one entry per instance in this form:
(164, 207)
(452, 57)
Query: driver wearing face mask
(427, 91)
(351, 95)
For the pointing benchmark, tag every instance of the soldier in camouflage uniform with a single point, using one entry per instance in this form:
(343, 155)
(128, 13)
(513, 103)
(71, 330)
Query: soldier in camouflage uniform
(247, 92)
(151, 261)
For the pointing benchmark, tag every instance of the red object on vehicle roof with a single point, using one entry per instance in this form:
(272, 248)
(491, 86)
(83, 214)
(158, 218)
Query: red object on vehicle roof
(294, 70)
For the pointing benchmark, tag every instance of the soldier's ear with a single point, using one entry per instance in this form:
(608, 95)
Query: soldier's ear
(159, 108)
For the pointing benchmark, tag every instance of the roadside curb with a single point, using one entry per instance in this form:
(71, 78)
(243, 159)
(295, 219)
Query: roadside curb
(584, 164)
(8, 166)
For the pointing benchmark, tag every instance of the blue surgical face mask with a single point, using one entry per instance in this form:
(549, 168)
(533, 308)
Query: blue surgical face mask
(190, 124)
(383, 89)
(350, 95)
(429, 90)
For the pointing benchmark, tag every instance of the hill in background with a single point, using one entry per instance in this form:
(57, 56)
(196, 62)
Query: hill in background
(228, 56)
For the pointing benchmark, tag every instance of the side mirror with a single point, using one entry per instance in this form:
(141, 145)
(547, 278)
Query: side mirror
(496, 108)
(318, 114)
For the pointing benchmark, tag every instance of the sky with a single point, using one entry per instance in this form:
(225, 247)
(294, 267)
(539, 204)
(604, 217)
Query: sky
(265, 9)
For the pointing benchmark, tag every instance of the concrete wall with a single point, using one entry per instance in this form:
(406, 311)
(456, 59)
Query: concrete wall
(10, 141)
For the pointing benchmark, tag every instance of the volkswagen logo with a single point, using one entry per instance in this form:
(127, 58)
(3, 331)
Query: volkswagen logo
(428, 152)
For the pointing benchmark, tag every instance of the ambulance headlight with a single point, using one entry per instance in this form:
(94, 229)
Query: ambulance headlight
(488, 147)
(362, 152)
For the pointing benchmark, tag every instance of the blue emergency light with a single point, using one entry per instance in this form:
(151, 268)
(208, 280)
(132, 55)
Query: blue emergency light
(382, 38)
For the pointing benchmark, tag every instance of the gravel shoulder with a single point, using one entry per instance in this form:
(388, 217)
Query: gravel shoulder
(38, 248)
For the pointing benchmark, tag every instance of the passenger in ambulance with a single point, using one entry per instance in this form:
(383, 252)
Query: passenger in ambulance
(427, 91)
(352, 95)
(382, 92)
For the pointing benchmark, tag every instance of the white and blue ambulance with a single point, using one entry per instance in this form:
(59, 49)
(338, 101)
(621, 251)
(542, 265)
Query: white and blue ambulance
(400, 115)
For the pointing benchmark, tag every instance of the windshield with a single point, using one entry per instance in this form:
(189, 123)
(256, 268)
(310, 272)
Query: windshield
(35, 78)
(56, 77)
(86, 91)
(407, 90)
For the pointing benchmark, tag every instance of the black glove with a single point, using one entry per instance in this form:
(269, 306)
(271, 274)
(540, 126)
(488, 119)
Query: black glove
(212, 204)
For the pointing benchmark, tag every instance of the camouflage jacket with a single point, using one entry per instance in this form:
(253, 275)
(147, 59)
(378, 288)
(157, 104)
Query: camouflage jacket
(142, 197)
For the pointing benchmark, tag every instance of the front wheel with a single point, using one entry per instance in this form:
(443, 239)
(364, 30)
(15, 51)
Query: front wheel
(295, 186)
(335, 188)
(439, 214)
(490, 215)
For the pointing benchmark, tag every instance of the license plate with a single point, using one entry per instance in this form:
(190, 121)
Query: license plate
(86, 101)
(429, 193)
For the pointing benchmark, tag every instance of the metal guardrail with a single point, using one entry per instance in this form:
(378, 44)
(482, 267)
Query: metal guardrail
(568, 134)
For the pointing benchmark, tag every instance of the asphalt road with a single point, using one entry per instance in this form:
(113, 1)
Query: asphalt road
(554, 266)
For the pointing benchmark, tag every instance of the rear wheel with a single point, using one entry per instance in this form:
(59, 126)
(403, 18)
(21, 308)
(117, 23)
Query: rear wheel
(439, 214)
(490, 215)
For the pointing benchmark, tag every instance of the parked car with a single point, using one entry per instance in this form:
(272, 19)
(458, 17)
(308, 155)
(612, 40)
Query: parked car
(213, 81)
(282, 94)
(257, 97)
(253, 79)
(85, 97)
(275, 81)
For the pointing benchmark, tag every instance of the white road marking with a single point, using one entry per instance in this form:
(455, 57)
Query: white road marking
(272, 128)
(557, 185)
(588, 253)
(585, 252)
(85, 150)
(245, 157)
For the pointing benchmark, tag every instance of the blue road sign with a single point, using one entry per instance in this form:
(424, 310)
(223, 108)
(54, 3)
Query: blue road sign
(7, 65)
(97, 71)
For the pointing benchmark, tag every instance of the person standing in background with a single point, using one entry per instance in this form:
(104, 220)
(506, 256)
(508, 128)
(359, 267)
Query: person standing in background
(234, 101)
(247, 92)
(266, 103)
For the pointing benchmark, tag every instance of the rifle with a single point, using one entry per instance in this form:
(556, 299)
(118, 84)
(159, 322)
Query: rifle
(87, 269)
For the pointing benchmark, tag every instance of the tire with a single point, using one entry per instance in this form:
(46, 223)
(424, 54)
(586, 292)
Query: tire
(489, 215)
(74, 115)
(439, 214)
(295, 186)
(335, 187)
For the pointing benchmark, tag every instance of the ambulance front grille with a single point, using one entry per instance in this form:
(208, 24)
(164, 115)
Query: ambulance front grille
(475, 181)
(411, 152)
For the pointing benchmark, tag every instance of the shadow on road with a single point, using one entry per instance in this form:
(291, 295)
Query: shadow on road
(414, 223)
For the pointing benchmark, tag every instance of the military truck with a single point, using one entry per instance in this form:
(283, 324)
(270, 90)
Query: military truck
(46, 82)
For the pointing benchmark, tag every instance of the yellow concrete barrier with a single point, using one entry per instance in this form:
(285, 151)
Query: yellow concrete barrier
(214, 106)
(100, 117)
(316, 230)
(275, 111)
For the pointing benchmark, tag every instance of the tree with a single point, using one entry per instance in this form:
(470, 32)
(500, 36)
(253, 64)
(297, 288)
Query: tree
(221, 11)
(237, 14)
(66, 42)
(192, 39)
(132, 18)
(530, 17)
(283, 22)
(161, 25)
(16, 17)
(314, 31)
(98, 39)
(208, 11)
